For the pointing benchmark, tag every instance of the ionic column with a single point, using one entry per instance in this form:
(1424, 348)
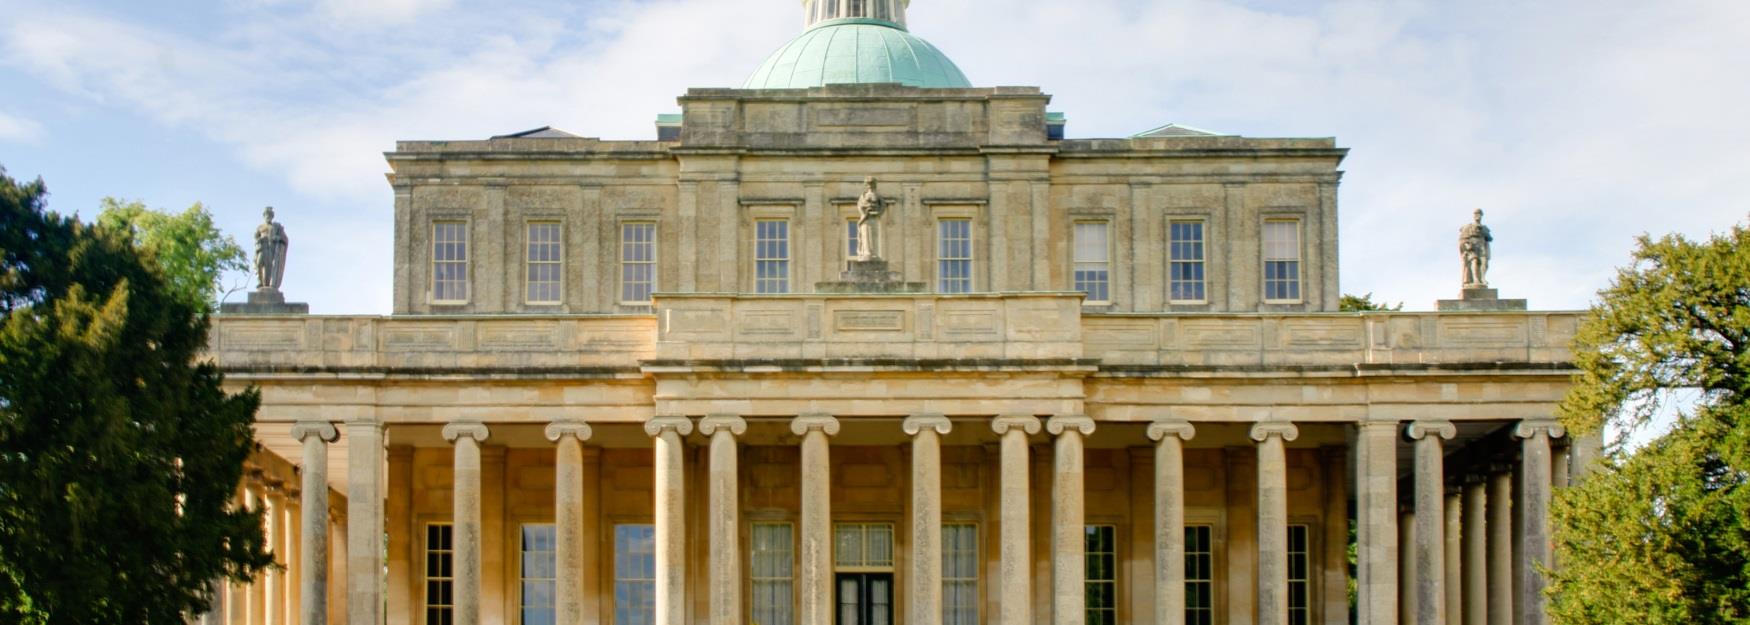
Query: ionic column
(723, 517)
(926, 431)
(1535, 438)
(1476, 551)
(1272, 439)
(1431, 519)
(364, 523)
(814, 580)
(1376, 497)
(1015, 540)
(465, 520)
(1170, 436)
(1500, 527)
(568, 590)
(671, 520)
(1068, 546)
(313, 561)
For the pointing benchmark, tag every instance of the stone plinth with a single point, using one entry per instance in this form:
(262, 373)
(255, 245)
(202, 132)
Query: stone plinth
(1480, 299)
(265, 302)
(869, 276)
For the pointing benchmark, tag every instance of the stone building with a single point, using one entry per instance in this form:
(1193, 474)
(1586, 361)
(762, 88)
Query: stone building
(1071, 381)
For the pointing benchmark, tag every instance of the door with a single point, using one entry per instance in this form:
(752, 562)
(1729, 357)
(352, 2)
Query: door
(865, 598)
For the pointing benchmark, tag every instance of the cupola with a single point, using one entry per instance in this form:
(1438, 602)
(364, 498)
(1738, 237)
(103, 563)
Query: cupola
(856, 42)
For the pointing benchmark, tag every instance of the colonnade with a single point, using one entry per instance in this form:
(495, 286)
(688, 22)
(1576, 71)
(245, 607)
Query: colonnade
(1485, 524)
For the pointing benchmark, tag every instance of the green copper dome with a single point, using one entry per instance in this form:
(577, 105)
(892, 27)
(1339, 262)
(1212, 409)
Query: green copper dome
(856, 50)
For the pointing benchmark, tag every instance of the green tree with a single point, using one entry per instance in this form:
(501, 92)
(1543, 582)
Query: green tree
(1662, 534)
(119, 452)
(192, 253)
(1363, 303)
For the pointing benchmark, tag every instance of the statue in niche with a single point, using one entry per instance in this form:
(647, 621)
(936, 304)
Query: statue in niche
(870, 207)
(1473, 247)
(270, 253)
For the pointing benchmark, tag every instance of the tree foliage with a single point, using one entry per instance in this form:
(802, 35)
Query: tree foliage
(1662, 534)
(191, 251)
(1364, 303)
(119, 454)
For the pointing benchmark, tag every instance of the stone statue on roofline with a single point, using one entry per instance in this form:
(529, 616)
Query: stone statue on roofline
(270, 253)
(870, 207)
(1473, 247)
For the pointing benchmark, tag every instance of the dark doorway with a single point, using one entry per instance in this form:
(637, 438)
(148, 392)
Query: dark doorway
(865, 598)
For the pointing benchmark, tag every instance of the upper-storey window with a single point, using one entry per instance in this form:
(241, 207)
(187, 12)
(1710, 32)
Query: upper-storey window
(544, 262)
(1093, 260)
(954, 256)
(1282, 260)
(637, 262)
(1185, 273)
(851, 241)
(449, 261)
(771, 256)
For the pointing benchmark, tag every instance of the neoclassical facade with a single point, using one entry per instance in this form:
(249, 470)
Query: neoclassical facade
(1095, 381)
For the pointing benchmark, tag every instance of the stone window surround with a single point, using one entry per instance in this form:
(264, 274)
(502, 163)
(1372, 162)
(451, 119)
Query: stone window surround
(981, 243)
(610, 246)
(1299, 216)
(751, 215)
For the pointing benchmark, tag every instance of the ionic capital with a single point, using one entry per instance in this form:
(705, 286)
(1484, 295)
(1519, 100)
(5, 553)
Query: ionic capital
(322, 430)
(576, 429)
(733, 424)
(1443, 430)
(1162, 428)
(931, 420)
(471, 429)
(1079, 422)
(826, 423)
(1534, 427)
(1028, 424)
(1262, 431)
(657, 426)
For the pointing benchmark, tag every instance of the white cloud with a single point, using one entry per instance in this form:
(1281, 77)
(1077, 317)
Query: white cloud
(18, 129)
(1574, 124)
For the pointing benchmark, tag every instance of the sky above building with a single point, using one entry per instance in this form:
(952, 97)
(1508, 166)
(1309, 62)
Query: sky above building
(1576, 125)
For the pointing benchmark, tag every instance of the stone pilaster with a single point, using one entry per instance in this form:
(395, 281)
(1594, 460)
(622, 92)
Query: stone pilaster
(1500, 546)
(364, 523)
(1430, 535)
(568, 519)
(313, 566)
(1170, 436)
(671, 518)
(926, 431)
(467, 437)
(723, 518)
(1475, 569)
(814, 579)
(1015, 542)
(1376, 496)
(1068, 546)
(1272, 439)
(1534, 534)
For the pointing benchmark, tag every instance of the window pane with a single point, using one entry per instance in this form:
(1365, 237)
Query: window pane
(543, 261)
(1101, 575)
(439, 583)
(959, 574)
(634, 574)
(772, 583)
(1185, 270)
(1282, 260)
(637, 262)
(1298, 587)
(538, 584)
(954, 256)
(1092, 260)
(1199, 576)
(449, 261)
(771, 256)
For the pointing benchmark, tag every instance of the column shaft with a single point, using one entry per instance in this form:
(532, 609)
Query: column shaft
(258, 588)
(313, 572)
(1500, 546)
(671, 520)
(1476, 553)
(1430, 531)
(364, 519)
(568, 590)
(724, 583)
(466, 520)
(1272, 439)
(926, 520)
(1376, 497)
(1169, 492)
(1534, 519)
(277, 583)
(1407, 573)
(1068, 546)
(1454, 558)
(815, 577)
(1014, 580)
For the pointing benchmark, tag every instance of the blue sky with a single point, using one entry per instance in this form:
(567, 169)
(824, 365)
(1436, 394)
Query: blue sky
(1576, 125)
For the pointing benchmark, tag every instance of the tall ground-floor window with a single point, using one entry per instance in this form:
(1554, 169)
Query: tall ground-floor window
(538, 574)
(959, 574)
(1102, 575)
(1199, 576)
(634, 574)
(1299, 589)
(772, 574)
(440, 580)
